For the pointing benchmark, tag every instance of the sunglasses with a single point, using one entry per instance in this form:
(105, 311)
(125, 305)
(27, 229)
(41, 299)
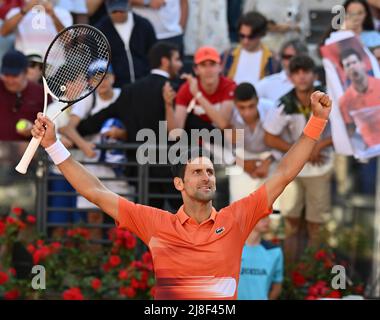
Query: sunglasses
(244, 36)
(33, 64)
(287, 56)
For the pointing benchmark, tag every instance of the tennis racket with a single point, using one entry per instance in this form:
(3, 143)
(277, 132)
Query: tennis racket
(73, 53)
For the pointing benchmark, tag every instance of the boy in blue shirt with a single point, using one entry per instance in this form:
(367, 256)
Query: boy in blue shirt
(261, 272)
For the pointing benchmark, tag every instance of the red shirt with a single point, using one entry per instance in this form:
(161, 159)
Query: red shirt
(224, 92)
(191, 260)
(8, 5)
(32, 102)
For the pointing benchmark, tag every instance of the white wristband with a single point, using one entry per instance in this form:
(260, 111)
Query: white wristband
(58, 152)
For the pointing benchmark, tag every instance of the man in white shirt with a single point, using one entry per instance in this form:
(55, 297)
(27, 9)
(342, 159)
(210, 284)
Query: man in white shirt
(311, 188)
(256, 159)
(36, 24)
(168, 18)
(274, 86)
(251, 60)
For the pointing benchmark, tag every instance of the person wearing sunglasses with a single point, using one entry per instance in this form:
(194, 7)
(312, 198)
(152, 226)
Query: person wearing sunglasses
(20, 99)
(34, 73)
(274, 86)
(251, 60)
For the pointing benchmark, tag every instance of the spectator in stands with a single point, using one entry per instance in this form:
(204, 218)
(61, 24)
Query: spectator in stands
(104, 96)
(20, 98)
(35, 64)
(274, 86)
(256, 159)
(168, 17)
(77, 8)
(204, 101)
(358, 18)
(287, 19)
(6, 42)
(35, 30)
(207, 25)
(262, 266)
(130, 37)
(251, 60)
(141, 106)
(311, 188)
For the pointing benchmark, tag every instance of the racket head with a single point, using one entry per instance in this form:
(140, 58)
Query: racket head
(71, 56)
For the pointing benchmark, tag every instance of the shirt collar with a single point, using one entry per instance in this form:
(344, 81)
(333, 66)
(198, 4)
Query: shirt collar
(160, 73)
(183, 217)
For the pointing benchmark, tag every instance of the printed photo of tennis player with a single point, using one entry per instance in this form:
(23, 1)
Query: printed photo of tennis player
(359, 104)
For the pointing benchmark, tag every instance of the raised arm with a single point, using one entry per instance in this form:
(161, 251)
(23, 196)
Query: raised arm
(297, 156)
(83, 181)
(93, 6)
(11, 23)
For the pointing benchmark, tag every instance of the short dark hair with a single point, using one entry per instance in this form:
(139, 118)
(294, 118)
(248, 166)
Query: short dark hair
(178, 169)
(160, 50)
(301, 62)
(245, 91)
(349, 52)
(256, 21)
(299, 46)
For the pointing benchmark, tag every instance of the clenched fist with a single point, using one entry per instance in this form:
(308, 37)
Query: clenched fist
(321, 104)
(44, 128)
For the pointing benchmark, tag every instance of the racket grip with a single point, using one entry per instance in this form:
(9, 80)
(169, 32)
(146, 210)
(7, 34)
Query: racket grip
(23, 165)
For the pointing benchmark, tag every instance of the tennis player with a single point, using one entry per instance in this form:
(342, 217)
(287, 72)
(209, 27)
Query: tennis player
(196, 252)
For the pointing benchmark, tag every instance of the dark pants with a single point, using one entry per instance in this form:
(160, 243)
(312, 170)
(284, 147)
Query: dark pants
(234, 8)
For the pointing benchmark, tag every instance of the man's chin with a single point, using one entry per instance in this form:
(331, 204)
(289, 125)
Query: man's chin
(205, 196)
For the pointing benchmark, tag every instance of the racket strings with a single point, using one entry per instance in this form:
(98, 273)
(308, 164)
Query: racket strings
(76, 63)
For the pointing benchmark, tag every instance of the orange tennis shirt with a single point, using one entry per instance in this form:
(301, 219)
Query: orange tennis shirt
(368, 121)
(191, 260)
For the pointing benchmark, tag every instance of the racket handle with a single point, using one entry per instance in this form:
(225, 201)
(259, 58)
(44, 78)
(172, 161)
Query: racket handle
(23, 165)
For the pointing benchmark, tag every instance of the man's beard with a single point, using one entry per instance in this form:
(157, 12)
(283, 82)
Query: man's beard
(204, 197)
